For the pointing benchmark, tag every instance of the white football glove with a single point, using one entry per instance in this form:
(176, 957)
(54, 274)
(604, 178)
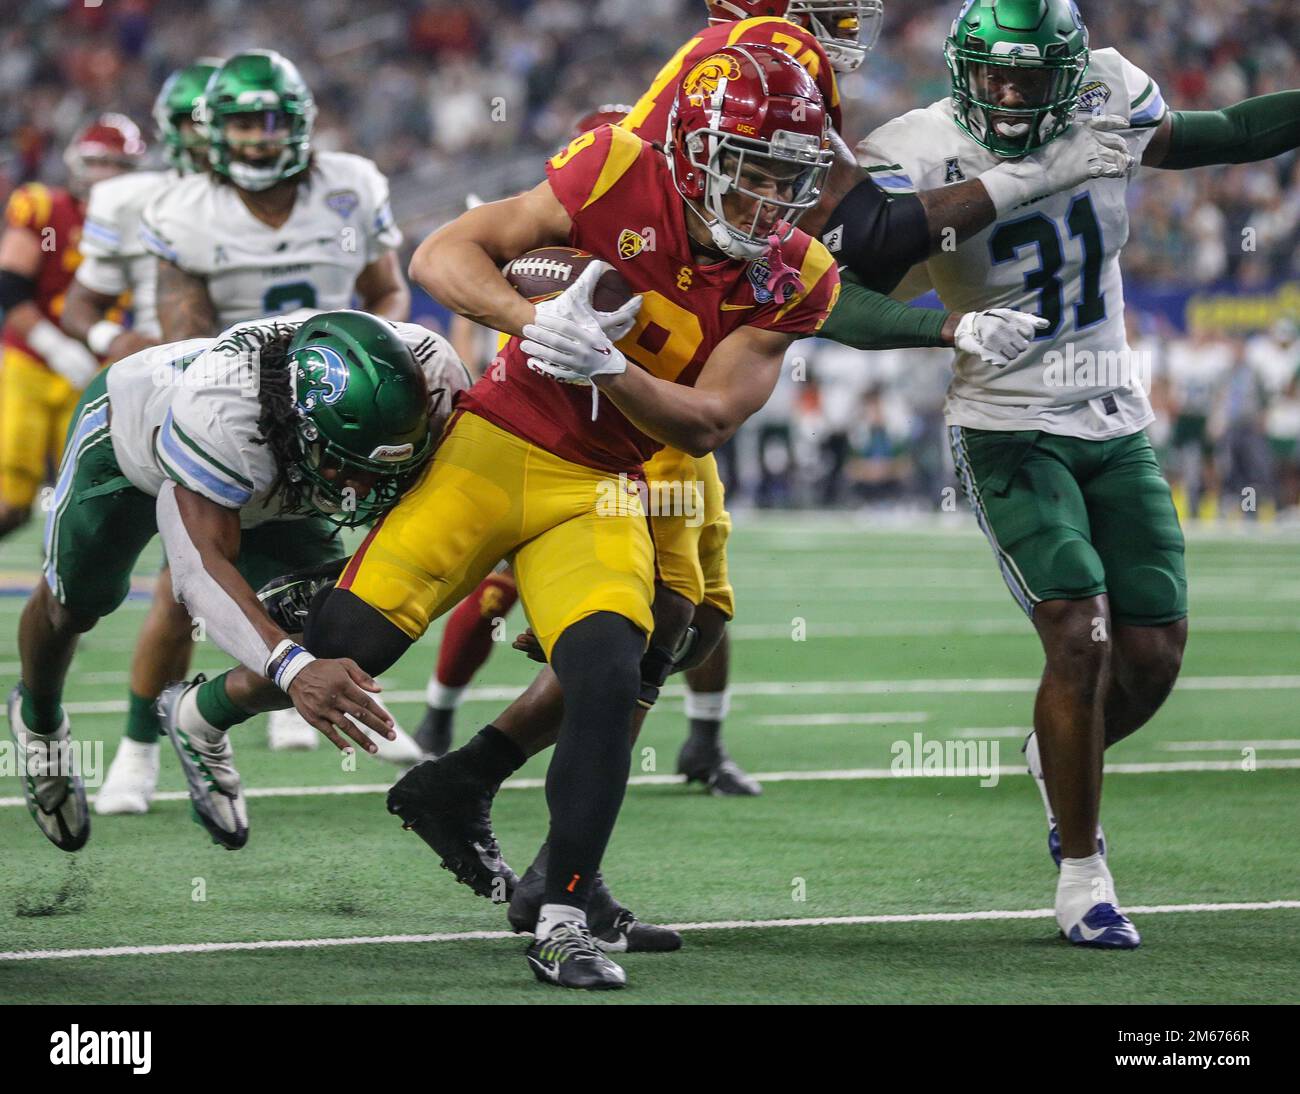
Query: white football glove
(576, 303)
(65, 355)
(571, 349)
(1091, 148)
(999, 336)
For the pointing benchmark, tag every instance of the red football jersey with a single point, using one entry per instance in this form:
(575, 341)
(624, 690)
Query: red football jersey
(56, 217)
(620, 196)
(649, 118)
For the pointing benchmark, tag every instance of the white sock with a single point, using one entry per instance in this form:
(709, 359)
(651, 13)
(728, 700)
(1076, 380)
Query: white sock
(1035, 762)
(441, 697)
(709, 706)
(1083, 883)
(189, 718)
(552, 915)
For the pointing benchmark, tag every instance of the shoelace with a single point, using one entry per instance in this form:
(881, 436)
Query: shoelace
(571, 940)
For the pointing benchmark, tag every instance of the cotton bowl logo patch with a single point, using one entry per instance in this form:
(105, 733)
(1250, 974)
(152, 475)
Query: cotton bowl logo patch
(703, 80)
(758, 273)
(343, 202)
(1093, 96)
(320, 377)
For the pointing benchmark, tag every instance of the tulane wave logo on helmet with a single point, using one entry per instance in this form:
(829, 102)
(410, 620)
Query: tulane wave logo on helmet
(320, 377)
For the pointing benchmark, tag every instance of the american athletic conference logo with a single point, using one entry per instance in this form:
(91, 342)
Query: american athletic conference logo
(319, 378)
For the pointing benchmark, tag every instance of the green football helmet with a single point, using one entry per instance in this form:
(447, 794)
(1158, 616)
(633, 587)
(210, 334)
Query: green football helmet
(174, 105)
(266, 86)
(363, 407)
(1040, 47)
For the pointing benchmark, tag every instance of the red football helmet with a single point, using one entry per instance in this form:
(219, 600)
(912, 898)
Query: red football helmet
(105, 147)
(749, 120)
(847, 29)
(609, 114)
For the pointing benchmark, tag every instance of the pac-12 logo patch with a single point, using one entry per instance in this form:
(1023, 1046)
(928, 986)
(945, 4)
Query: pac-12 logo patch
(630, 244)
(320, 377)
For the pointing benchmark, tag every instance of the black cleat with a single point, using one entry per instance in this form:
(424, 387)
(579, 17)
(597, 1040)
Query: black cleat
(708, 763)
(452, 812)
(569, 958)
(614, 928)
(435, 732)
(287, 598)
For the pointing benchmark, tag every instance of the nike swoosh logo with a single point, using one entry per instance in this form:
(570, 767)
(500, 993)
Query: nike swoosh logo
(738, 307)
(1089, 934)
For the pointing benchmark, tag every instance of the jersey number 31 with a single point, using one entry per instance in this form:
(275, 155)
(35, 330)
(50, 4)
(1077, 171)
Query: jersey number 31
(1042, 232)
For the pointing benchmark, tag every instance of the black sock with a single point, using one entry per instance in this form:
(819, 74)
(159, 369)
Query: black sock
(598, 662)
(706, 731)
(491, 756)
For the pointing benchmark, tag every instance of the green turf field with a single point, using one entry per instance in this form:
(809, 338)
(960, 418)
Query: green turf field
(850, 638)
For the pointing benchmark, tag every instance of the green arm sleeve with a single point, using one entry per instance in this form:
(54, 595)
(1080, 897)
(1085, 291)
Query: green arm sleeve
(866, 320)
(1253, 129)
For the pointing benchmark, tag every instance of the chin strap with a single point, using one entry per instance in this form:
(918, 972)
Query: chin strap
(780, 276)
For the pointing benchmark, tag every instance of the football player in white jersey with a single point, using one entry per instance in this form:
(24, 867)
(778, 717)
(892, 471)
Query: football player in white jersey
(114, 260)
(272, 227)
(1051, 449)
(247, 452)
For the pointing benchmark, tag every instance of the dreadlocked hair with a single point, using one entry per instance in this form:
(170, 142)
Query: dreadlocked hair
(277, 422)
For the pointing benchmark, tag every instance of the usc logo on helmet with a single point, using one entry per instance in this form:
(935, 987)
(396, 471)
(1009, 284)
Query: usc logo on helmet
(703, 80)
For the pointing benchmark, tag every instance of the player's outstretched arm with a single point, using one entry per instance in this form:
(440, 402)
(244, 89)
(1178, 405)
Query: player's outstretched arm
(185, 310)
(383, 290)
(202, 543)
(1251, 130)
(459, 264)
(736, 380)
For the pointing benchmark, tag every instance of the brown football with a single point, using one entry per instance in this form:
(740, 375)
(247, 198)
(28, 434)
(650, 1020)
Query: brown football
(548, 271)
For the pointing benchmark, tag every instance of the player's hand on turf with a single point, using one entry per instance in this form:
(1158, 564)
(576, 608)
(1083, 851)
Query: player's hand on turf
(527, 643)
(330, 689)
(999, 336)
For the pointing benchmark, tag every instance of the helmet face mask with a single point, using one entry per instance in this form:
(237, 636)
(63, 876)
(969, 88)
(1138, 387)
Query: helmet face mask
(754, 189)
(847, 29)
(260, 96)
(1015, 90)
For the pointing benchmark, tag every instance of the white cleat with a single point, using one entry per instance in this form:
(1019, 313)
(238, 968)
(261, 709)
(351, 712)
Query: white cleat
(52, 786)
(403, 752)
(289, 731)
(131, 781)
(208, 761)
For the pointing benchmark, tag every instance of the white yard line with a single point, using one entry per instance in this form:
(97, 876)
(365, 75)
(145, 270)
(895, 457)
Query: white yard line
(884, 718)
(1228, 746)
(854, 774)
(712, 925)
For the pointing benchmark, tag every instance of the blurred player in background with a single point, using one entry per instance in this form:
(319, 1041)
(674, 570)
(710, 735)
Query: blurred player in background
(44, 369)
(272, 227)
(1054, 458)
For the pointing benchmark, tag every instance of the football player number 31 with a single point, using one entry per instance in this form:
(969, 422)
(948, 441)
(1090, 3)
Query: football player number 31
(1043, 233)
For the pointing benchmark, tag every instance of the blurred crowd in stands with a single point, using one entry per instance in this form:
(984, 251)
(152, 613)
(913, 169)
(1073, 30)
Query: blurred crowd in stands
(458, 96)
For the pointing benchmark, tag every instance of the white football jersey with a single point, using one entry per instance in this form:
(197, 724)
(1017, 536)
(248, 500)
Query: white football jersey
(1057, 257)
(113, 257)
(189, 411)
(341, 223)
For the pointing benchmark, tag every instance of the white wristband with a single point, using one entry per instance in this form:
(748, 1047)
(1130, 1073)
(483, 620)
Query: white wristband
(297, 660)
(272, 662)
(101, 336)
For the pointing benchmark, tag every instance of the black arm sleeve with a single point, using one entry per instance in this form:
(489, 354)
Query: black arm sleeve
(14, 289)
(878, 237)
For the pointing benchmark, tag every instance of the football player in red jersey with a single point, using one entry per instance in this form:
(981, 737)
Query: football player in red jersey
(44, 369)
(725, 284)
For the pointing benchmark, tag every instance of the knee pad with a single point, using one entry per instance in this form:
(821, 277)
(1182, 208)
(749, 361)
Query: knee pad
(341, 624)
(656, 666)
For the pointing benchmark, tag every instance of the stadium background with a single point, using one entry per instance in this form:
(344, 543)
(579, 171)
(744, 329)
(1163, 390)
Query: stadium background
(451, 97)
